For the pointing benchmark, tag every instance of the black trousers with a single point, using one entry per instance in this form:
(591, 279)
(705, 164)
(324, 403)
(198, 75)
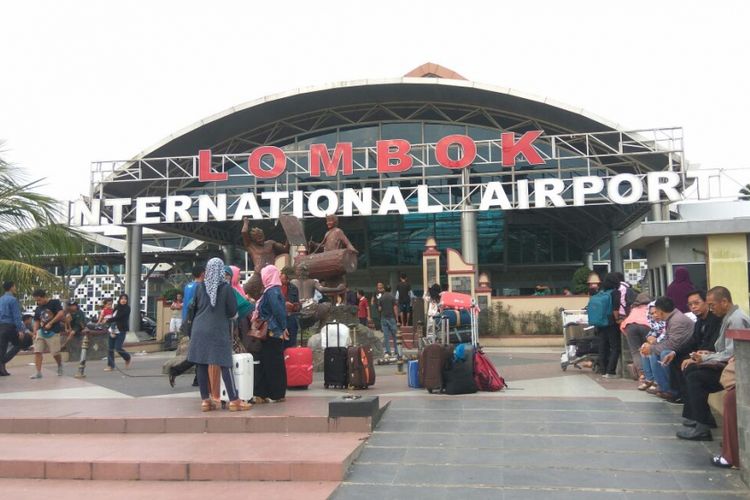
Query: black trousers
(181, 367)
(677, 376)
(610, 343)
(270, 374)
(699, 383)
(8, 335)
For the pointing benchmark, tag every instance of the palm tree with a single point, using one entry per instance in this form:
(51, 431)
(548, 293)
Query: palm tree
(30, 234)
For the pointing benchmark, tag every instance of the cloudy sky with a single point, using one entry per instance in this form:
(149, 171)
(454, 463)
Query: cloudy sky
(100, 80)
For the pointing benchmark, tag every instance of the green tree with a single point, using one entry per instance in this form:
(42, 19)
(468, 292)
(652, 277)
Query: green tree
(31, 234)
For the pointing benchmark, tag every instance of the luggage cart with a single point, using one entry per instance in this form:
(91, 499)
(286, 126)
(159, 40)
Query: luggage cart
(577, 335)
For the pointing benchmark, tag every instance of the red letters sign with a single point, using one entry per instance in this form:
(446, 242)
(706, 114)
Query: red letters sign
(392, 156)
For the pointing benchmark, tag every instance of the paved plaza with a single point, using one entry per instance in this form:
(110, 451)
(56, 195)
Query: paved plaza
(551, 435)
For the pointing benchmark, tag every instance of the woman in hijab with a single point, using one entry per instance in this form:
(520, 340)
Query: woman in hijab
(270, 375)
(680, 288)
(211, 340)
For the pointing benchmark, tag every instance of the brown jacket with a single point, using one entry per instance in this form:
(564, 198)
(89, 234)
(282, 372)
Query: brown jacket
(679, 331)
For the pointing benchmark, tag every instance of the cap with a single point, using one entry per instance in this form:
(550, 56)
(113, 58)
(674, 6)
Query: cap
(72, 302)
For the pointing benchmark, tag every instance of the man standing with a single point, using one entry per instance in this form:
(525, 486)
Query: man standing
(703, 369)
(48, 319)
(404, 296)
(388, 311)
(175, 321)
(11, 323)
(190, 288)
(363, 309)
(293, 306)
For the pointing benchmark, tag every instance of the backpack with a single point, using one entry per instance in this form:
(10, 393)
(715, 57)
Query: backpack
(485, 374)
(600, 309)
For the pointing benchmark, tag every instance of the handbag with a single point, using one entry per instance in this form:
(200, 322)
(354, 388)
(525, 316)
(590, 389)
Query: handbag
(259, 329)
(728, 377)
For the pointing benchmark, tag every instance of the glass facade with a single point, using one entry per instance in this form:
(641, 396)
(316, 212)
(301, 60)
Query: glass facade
(399, 240)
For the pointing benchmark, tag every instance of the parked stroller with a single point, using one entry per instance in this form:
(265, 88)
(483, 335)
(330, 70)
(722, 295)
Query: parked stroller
(580, 342)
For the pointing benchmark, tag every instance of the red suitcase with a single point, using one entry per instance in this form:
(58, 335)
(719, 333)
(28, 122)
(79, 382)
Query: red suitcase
(299, 366)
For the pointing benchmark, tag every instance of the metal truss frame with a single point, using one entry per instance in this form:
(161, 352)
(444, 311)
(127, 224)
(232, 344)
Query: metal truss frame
(565, 155)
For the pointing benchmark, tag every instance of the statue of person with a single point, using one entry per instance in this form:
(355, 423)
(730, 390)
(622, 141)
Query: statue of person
(333, 239)
(307, 286)
(262, 252)
(311, 310)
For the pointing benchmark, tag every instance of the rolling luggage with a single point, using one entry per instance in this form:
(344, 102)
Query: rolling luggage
(360, 367)
(334, 364)
(243, 371)
(432, 362)
(485, 374)
(458, 374)
(413, 374)
(299, 366)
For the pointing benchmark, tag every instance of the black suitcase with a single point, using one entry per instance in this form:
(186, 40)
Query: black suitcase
(335, 374)
(585, 345)
(458, 375)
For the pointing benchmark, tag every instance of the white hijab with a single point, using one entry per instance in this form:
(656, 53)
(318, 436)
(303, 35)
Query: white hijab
(213, 278)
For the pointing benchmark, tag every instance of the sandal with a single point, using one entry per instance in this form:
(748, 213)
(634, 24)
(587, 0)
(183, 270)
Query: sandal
(208, 405)
(645, 385)
(721, 462)
(260, 401)
(239, 405)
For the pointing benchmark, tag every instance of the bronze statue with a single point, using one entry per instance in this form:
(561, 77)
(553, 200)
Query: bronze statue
(334, 238)
(262, 252)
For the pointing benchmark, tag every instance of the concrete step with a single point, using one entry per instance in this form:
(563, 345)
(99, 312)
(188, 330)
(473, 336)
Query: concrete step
(61, 489)
(180, 457)
(171, 415)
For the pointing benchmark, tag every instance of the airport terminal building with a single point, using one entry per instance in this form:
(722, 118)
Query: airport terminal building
(526, 189)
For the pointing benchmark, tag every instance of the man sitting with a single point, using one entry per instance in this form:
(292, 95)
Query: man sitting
(678, 332)
(703, 370)
(705, 333)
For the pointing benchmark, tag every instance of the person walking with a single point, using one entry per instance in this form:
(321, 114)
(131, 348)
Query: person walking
(270, 375)
(11, 324)
(211, 339)
(48, 321)
(388, 312)
(120, 317)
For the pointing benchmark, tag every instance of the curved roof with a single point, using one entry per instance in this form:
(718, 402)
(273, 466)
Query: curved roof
(553, 116)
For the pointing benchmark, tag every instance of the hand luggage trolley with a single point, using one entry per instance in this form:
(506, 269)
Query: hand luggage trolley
(580, 342)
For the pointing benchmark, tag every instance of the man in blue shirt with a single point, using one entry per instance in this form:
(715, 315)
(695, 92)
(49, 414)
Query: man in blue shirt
(189, 291)
(11, 324)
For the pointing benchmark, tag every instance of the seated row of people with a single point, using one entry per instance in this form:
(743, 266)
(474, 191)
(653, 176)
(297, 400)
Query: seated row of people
(680, 358)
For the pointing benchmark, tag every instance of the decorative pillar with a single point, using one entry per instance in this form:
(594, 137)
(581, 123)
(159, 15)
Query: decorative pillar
(483, 292)
(461, 274)
(133, 246)
(430, 264)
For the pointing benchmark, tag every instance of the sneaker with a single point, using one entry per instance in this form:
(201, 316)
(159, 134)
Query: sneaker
(36, 375)
(609, 376)
(108, 369)
(59, 371)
